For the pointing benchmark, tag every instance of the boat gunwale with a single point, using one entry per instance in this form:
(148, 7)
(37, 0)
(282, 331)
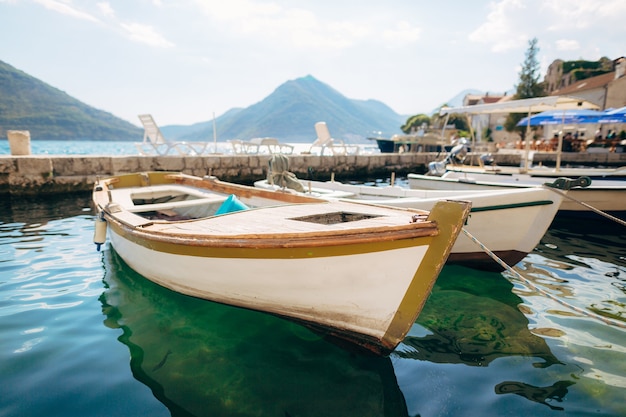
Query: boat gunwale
(181, 244)
(161, 232)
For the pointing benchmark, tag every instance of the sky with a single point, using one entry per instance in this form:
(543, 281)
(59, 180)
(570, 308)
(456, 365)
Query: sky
(184, 61)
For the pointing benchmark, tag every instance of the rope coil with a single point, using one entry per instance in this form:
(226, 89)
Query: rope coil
(278, 173)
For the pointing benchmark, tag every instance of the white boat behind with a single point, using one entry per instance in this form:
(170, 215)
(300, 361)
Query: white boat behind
(358, 272)
(603, 194)
(508, 222)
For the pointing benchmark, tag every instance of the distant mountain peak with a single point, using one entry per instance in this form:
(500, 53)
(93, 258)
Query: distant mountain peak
(293, 108)
(289, 114)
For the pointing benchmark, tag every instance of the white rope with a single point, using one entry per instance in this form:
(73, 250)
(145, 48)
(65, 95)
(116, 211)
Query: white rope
(595, 210)
(517, 275)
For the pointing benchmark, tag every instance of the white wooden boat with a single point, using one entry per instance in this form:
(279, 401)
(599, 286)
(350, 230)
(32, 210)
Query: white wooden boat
(508, 222)
(605, 195)
(355, 271)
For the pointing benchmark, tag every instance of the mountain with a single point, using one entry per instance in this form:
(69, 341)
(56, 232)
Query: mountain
(48, 113)
(290, 113)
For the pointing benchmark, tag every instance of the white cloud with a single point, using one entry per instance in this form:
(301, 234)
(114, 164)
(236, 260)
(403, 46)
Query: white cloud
(234, 10)
(500, 29)
(567, 45)
(106, 9)
(136, 32)
(145, 34)
(66, 9)
(402, 33)
(582, 14)
(300, 27)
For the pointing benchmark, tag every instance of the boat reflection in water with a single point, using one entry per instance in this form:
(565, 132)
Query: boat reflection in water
(202, 358)
(480, 346)
(472, 318)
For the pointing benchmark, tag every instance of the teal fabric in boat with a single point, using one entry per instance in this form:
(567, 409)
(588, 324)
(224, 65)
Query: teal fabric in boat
(231, 205)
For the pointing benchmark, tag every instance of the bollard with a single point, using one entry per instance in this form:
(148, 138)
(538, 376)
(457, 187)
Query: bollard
(19, 142)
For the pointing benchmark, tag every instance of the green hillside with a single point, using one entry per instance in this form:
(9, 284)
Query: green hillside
(50, 114)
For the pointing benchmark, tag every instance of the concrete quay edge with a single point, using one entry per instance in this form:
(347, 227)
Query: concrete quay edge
(49, 174)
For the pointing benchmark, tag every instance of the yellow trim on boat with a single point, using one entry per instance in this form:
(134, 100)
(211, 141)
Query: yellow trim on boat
(450, 220)
(177, 248)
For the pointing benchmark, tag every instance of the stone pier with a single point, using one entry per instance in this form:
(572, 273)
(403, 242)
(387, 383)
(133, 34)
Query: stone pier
(46, 174)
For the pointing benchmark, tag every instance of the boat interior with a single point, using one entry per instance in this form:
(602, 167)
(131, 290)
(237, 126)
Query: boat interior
(175, 202)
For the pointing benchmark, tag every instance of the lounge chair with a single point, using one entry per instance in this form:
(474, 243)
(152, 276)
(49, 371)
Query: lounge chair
(155, 143)
(272, 146)
(326, 141)
(260, 145)
(240, 147)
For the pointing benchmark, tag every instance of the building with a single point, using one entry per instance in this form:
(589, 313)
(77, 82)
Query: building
(480, 123)
(606, 90)
(561, 74)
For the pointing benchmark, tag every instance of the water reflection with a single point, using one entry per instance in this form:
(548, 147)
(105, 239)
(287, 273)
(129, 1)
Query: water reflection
(541, 395)
(201, 358)
(42, 208)
(25, 219)
(584, 264)
(473, 318)
(583, 243)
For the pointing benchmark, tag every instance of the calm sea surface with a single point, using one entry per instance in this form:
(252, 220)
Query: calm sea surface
(81, 334)
(58, 147)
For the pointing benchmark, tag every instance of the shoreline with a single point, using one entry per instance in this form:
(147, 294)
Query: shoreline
(56, 174)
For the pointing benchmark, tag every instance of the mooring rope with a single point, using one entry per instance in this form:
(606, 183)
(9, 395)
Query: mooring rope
(278, 173)
(529, 283)
(595, 210)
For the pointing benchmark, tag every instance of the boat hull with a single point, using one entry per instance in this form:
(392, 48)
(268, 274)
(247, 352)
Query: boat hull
(607, 195)
(291, 282)
(509, 224)
(364, 280)
(525, 215)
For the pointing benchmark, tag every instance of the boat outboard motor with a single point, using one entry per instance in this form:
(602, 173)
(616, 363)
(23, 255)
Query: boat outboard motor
(437, 168)
(458, 152)
(486, 159)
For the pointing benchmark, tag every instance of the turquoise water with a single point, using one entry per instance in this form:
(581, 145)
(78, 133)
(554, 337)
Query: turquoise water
(82, 334)
(59, 147)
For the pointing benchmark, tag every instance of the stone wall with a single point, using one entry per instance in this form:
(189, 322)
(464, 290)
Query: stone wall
(60, 174)
(39, 174)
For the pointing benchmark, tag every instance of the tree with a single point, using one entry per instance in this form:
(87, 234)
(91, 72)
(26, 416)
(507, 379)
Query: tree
(529, 85)
(415, 122)
(459, 121)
